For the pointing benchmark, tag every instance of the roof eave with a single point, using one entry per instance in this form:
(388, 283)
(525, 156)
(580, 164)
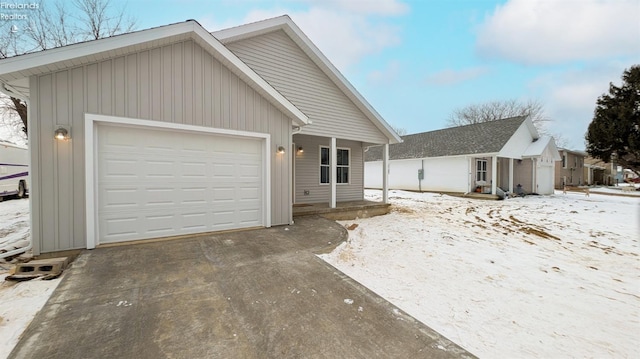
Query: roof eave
(31, 64)
(295, 33)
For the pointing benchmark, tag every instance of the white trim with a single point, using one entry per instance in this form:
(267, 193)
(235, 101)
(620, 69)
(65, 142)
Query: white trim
(334, 173)
(494, 174)
(510, 174)
(292, 30)
(385, 173)
(478, 171)
(91, 153)
(292, 178)
(320, 164)
(35, 63)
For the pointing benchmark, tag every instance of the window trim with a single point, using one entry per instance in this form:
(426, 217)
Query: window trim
(320, 147)
(564, 160)
(478, 171)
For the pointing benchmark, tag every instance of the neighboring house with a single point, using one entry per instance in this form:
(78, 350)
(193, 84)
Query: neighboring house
(629, 176)
(595, 172)
(172, 131)
(570, 169)
(507, 154)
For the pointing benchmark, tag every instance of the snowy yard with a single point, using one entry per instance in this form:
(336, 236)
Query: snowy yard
(19, 301)
(542, 276)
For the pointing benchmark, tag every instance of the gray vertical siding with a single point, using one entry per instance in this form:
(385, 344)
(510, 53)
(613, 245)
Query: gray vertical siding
(179, 83)
(278, 59)
(307, 171)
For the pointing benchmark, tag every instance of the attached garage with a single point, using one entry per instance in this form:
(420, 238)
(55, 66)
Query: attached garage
(155, 180)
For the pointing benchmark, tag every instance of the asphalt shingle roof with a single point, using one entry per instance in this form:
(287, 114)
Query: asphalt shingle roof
(487, 137)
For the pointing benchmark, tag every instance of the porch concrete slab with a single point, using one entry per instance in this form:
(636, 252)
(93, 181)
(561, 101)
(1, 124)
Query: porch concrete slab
(344, 210)
(251, 294)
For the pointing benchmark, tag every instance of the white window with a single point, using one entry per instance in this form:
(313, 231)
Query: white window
(564, 160)
(481, 170)
(342, 165)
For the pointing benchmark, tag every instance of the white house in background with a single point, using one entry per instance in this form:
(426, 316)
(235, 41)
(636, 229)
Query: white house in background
(507, 154)
(174, 130)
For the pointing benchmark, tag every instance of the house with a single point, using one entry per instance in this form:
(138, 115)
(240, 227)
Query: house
(570, 169)
(507, 154)
(595, 172)
(173, 130)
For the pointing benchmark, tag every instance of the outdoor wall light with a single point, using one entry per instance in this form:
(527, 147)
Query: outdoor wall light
(280, 149)
(300, 149)
(62, 133)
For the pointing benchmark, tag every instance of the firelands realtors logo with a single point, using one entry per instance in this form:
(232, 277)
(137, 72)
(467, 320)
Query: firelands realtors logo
(12, 11)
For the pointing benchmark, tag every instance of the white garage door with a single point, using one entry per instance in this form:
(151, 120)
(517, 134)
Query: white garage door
(545, 179)
(156, 183)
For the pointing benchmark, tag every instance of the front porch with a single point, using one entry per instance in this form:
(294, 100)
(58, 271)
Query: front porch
(343, 210)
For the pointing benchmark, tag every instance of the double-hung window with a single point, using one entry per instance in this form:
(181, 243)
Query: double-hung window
(481, 170)
(342, 165)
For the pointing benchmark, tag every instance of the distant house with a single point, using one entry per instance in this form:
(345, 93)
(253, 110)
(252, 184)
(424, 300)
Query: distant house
(596, 172)
(507, 154)
(173, 130)
(569, 171)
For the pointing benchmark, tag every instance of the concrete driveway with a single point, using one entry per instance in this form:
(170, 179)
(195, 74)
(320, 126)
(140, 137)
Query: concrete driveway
(250, 294)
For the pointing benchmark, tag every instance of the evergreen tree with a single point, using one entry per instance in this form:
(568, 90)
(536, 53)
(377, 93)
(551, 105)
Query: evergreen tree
(614, 132)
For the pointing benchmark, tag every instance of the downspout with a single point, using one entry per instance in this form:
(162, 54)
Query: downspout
(11, 92)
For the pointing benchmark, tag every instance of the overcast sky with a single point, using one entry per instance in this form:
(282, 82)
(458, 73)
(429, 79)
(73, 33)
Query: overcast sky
(417, 61)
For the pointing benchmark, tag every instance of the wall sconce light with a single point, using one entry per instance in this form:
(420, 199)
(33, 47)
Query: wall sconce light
(280, 149)
(62, 133)
(300, 150)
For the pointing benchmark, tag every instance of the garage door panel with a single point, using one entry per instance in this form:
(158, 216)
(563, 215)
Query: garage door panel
(250, 217)
(118, 198)
(168, 183)
(194, 169)
(249, 193)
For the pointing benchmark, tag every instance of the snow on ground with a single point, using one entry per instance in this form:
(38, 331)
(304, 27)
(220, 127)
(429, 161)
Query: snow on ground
(19, 301)
(615, 190)
(14, 224)
(536, 277)
(19, 304)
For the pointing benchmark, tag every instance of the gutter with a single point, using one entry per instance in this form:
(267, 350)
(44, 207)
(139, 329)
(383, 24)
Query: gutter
(10, 91)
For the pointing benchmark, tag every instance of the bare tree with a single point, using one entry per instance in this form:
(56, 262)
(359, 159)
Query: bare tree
(55, 24)
(399, 130)
(496, 110)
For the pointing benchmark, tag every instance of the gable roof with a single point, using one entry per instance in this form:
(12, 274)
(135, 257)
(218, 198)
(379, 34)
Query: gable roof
(574, 152)
(537, 148)
(479, 138)
(15, 71)
(285, 24)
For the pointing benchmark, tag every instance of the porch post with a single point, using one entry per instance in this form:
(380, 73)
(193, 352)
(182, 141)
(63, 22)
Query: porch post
(494, 174)
(471, 179)
(533, 176)
(385, 173)
(510, 175)
(334, 172)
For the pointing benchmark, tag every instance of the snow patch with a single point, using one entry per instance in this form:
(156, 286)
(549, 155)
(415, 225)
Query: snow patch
(540, 276)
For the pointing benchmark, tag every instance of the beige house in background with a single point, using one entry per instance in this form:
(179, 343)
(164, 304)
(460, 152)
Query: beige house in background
(173, 130)
(570, 169)
(596, 172)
